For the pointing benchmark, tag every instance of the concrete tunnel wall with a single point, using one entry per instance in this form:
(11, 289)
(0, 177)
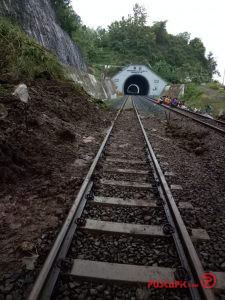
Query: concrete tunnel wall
(150, 83)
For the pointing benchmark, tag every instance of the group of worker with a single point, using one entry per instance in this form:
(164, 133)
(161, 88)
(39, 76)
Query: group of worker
(177, 103)
(169, 101)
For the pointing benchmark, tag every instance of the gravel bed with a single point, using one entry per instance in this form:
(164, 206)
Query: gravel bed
(68, 288)
(190, 218)
(212, 255)
(125, 249)
(196, 155)
(135, 215)
(220, 295)
(125, 192)
(16, 285)
(128, 177)
(122, 248)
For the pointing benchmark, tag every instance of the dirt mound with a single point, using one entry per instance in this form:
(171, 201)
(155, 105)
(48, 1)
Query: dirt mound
(56, 115)
(189, 139)
(43, 159)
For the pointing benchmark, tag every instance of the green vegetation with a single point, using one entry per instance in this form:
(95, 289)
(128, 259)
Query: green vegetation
(192, 93)
(21, 57)
(199, 96)
(215, 85)
(66, 16)
(176, 58)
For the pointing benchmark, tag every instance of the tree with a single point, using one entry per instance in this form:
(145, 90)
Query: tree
(130, 40)
(198, 47)
(211, 65)
(140, 15)
(87, 39)
(185, 36)
(66, 16)
(161, 34)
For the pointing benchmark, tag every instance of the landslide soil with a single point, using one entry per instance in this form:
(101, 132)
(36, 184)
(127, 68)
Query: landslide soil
(43, 161)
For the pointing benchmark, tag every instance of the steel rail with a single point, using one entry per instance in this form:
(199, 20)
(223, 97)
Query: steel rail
(201, 116)
(187, 116)
(194, 113)
(188, 248)
(48, 275)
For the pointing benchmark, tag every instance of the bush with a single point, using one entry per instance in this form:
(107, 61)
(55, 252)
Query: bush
(22, 57)
(192, 93)
(213, 85)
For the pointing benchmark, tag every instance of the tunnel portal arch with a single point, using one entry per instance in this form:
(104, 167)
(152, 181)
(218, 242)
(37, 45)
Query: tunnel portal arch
(138, 81)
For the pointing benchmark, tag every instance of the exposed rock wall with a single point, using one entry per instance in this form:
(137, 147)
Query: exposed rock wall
(101, 89)
(38, 19)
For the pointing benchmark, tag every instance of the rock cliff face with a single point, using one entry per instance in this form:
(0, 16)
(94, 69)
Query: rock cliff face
(38, 19)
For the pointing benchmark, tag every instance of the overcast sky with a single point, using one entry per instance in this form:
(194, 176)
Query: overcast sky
(203, 19)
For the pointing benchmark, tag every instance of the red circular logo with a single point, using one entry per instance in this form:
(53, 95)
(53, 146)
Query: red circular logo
(208, 280)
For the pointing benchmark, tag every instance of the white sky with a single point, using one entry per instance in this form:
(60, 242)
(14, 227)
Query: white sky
(203, 19)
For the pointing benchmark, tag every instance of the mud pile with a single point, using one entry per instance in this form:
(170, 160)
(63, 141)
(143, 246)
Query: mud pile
(44, 155)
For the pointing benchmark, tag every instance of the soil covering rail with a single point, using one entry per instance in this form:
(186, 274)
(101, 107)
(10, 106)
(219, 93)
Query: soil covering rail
(124, 226)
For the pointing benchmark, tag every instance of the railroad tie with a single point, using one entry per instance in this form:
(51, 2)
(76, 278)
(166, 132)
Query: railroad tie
(114, 201)
(123, 202)
(120, 272)
(136, 229)
(125, 273)
(126, 161)
(127, 171)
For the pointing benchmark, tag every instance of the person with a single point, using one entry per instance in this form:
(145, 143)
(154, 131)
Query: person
(161, 99)
(167, 100)
(158, 100)
(174, 102)
(208, 109)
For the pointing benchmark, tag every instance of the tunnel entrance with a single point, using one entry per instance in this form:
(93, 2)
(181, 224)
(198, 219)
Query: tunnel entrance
(136, 85)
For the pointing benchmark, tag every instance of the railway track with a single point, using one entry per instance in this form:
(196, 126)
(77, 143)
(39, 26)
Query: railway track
(124, 230)
(217, 125)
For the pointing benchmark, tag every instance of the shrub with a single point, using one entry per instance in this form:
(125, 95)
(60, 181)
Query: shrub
(192, 93)
(213, 85)
(22, 57)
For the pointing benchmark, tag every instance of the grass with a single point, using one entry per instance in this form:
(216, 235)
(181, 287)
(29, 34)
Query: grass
(22, 57)
(215, 85)
(196, 98)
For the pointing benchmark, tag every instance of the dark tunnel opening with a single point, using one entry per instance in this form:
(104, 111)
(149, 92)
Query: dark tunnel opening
(136, 85)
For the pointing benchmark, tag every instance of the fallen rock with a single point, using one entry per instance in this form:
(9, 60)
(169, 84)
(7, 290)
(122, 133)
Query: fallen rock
(21, 92)
(88, 139)
(29, 261)
(80, 162)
